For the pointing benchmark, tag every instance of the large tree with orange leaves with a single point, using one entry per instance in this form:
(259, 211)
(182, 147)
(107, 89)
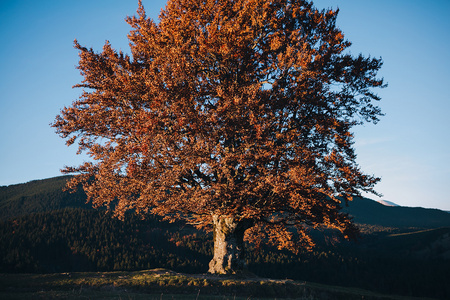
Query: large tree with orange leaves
(234, 115)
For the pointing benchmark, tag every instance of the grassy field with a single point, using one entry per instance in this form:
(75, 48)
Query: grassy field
(162, 284)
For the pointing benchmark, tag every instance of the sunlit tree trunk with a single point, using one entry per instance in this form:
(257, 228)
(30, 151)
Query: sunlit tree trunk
(228, 245)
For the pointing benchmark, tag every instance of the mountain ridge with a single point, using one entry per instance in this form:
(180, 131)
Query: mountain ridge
(387, 203)
(48, 194)
(368, 211)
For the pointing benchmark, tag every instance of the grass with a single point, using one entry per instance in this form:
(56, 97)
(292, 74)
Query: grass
(161, 284)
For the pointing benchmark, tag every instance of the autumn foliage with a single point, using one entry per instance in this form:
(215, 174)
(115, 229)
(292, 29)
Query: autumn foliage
(226, 113)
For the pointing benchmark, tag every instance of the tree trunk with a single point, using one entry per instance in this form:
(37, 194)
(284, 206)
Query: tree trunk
(228, 245)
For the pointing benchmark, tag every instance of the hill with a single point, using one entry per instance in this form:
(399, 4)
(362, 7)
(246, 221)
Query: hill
(38, 196)
(44, 230)
(82, 240)
(47, 195)
(367, 211)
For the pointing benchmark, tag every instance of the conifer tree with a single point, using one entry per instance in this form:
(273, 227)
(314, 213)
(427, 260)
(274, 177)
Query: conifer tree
(235, 115)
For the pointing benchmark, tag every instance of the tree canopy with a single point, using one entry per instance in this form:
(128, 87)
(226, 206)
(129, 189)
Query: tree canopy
(226, 112)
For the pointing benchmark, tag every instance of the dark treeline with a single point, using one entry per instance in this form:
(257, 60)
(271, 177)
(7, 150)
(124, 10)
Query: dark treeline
(75, 239)
(88, 240)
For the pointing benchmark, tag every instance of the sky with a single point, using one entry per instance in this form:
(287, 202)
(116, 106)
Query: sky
(408, 148)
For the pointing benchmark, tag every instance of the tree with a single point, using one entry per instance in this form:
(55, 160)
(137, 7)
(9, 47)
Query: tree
(230, 114)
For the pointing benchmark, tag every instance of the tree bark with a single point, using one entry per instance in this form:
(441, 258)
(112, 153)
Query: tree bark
(228, 245)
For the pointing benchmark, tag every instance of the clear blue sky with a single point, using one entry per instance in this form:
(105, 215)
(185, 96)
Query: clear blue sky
(409, 148)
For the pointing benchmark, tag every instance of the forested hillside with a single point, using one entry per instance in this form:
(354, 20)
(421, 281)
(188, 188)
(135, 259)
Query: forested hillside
(47, 195)
(367, 211)
(38, 196)
(60, 236)
(88, 240)
(75, 239)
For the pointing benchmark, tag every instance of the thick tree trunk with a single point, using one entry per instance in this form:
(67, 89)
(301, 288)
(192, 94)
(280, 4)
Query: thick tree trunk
(228, 245)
